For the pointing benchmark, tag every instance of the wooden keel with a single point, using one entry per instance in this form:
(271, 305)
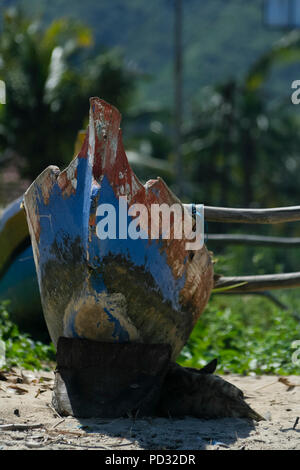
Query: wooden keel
(114, 290)
(98, 379)
(111, 380)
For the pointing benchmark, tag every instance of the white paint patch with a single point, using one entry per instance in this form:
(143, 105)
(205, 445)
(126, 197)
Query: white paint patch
(128, 190)
(71, 173)
(135, 185)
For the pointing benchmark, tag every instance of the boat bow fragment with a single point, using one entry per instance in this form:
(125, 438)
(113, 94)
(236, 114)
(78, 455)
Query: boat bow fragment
(115, 290)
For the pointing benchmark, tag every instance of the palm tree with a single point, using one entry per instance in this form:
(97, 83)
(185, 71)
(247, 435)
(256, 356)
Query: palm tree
(50, 75)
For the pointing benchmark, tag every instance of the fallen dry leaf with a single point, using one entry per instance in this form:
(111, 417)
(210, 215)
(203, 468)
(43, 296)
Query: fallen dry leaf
(16, 389)
(39, 392)
(287, 382)
(28, 377)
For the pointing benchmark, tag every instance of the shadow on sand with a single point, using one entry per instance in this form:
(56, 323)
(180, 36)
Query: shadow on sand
(170, 434)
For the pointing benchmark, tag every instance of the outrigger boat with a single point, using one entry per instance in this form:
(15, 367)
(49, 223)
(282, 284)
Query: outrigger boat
(115, 290)
(119, 309)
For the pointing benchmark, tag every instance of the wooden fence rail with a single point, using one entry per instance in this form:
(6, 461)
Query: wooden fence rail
(276, 215)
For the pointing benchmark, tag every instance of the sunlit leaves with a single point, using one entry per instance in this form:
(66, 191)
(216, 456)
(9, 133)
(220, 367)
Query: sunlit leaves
(246, 335)
(20, 349)
(50, 75)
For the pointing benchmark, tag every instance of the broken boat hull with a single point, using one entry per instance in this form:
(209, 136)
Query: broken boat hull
(115, 290)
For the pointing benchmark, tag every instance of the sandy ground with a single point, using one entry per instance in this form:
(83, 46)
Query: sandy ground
(27, 421)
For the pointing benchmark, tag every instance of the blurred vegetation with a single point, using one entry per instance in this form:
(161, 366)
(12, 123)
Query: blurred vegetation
(50, 75)
(241, 146)
(242, 150)
(247, 335)
(21, 349)
(221, 39)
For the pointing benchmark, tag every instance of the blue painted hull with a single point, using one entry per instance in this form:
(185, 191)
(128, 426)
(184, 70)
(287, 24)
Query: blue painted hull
(117, 290)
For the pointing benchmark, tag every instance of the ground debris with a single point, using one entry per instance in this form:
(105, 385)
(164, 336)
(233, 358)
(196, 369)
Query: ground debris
(19, 427)
(42, 429)
(28, 377)
(288, 383)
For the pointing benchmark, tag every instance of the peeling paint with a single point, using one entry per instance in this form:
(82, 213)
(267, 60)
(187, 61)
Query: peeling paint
(110, 290)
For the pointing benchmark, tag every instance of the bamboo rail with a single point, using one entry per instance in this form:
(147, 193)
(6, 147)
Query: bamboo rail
(276, 215)
(259, 283)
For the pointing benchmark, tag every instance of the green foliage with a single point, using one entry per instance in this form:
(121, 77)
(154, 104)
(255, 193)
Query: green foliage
(240, 150)
(246, 334)
(241, 146)
(221, 38)
(50, 75)
(21, 350)
(249, 260)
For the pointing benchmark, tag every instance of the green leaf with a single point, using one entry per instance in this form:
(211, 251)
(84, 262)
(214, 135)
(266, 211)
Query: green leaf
(224, 289)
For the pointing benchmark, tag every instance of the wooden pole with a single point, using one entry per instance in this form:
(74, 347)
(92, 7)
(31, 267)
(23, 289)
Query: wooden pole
(259, 283)
(276, 215)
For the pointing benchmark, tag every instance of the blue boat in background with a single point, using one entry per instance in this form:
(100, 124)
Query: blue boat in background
(18, 279)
